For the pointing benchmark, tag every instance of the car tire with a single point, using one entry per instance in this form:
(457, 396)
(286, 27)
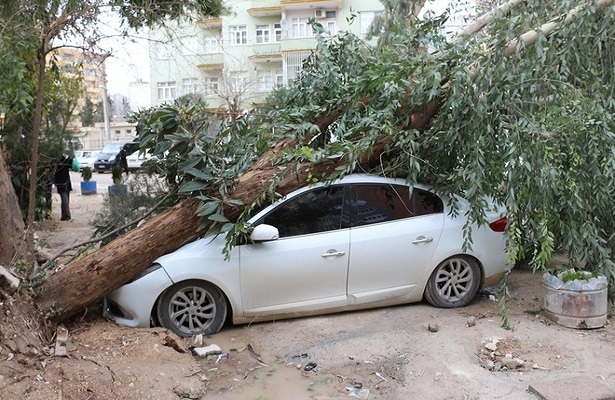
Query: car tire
(192, 307)
(453, 283)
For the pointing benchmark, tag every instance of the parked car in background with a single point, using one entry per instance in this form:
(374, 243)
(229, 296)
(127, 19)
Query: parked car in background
(86, 158)
(136, 160)
(361, 242)
(108, 156)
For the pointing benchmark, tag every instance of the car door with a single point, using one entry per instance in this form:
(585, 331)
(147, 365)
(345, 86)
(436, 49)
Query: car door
(306, 268)
(393, 239)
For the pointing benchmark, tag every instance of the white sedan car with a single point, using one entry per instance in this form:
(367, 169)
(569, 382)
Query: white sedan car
(361, 242)
(86, 158)
(136, 160)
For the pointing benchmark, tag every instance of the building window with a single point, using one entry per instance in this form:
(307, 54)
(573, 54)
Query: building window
(192, 85)
(190, 45)
(293, 63)
(264, 80)
(118, 132)
(279, 77)
(239, 34)
(366, 19)
(277, 30)
(129, 131)
(211, 45)
(263, 34)
(163, 52)
(166, 91)
(300, 28)
(330, 27)
(211, 86)
(239, 81)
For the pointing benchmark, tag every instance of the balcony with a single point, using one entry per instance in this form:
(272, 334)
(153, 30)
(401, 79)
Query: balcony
(266, 53)
(211, 61)
(264, 8)
(210, 22)
(306, 4)
(298, 44)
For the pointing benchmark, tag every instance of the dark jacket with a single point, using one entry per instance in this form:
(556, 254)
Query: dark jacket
(62, 176)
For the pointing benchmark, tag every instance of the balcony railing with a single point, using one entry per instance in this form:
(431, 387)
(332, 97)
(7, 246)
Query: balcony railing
(266, 52)
(211, 61)
(264, 8)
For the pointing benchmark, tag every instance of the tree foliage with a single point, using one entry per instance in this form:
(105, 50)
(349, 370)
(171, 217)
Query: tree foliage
(531, 127)
(40, 26)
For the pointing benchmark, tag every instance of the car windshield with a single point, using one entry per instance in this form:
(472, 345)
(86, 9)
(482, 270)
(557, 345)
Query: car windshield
(112, 148)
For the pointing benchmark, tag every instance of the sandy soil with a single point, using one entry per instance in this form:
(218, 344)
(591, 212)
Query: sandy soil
(406, 352)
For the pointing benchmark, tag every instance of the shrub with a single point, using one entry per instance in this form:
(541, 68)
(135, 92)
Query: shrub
(144, 192)
(86, 174)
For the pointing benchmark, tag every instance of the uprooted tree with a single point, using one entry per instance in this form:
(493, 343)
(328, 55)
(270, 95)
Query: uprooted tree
(521, 111)
(530, 125)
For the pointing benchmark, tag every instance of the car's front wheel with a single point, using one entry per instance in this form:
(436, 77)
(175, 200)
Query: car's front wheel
(192, 307)
(453, 283)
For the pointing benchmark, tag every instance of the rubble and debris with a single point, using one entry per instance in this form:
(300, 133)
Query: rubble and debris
(493, 356)
(309, 366)
(195, 341)
(212, 349)
(61, 342)
(357, 391)
(175, 344)
(9, 283)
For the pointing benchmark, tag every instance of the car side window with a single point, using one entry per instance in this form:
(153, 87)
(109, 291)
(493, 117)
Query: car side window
(381, 203)
(426, 203)
(318, 210)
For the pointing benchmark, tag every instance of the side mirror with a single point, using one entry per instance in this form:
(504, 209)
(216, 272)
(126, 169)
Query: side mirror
(264, 233)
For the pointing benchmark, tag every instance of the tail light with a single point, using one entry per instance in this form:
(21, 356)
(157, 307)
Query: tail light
(499, 225)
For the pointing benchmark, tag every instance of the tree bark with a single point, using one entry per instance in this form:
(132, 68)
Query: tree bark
(12, 231)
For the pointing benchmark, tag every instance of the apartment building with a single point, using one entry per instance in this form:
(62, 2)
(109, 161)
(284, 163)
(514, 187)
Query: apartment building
(90, 67)
(239, 58)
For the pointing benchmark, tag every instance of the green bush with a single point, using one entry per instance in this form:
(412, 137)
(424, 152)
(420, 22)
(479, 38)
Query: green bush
(86, 174)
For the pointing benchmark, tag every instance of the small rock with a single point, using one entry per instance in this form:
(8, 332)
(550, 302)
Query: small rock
(511, 363)
(8, 282)
(491, 346)
(173, 342)
(471, 321)
(433, 327)
(488, 364)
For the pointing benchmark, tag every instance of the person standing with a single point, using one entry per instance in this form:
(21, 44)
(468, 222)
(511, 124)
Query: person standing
(123, 160)
(63, 185)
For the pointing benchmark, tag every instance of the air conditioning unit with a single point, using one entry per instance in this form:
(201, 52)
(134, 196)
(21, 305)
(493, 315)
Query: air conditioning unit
(320, 13)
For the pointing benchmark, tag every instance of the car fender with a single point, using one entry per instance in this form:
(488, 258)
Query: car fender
(204, 260)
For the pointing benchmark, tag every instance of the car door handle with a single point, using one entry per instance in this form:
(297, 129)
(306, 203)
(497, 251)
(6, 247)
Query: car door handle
(333, 253)
(422, 239)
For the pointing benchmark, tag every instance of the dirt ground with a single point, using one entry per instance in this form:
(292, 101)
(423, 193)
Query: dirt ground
(406, 352)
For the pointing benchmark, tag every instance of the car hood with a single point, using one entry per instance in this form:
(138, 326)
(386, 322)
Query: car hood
(210, 247)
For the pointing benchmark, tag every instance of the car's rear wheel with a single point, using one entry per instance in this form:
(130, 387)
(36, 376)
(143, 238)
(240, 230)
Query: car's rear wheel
(192, 307)
(453, 283)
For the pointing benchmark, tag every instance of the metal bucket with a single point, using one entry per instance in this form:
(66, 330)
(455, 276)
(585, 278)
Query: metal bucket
(580, 309)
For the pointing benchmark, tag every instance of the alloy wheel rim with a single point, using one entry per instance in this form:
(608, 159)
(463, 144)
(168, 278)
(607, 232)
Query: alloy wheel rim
(454, 279)
(192, 309)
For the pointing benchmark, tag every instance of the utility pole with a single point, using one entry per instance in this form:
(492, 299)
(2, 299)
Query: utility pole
(106, 113)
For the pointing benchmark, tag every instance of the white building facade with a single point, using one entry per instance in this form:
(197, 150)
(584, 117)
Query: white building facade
(237, 59)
